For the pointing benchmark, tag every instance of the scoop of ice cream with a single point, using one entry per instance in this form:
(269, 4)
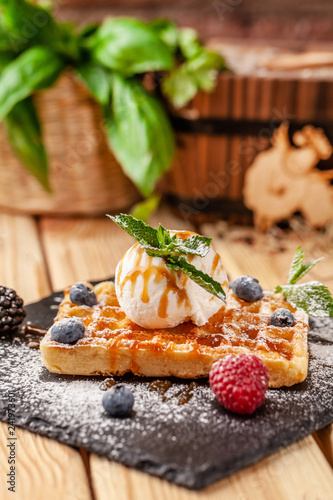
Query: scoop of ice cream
(154, 296)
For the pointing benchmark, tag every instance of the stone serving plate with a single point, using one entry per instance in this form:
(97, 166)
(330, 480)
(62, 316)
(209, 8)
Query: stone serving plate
(183, 435)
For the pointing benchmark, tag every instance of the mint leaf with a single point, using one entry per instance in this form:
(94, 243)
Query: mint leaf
(159, 243)
(145, 234)
(129, 46)
(194, 245)
(139, 132)
(313, 297)
(163, 236)
(202, 279)
(299, 268)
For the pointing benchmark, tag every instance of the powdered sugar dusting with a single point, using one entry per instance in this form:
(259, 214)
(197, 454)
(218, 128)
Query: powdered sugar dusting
(192, 444)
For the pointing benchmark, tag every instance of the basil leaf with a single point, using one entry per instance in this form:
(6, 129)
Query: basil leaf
(139, 132)
(179, 86)
(200, 278)
(97, 79)
(189, 42)
(145, 208)
(129, 46)
(24, 134)
(299, 268)
(313, 297)
(199, 73)
(204, 69)
(29, 25)
(35, 69)
(5, 59)
(88, 30)
(166, 31)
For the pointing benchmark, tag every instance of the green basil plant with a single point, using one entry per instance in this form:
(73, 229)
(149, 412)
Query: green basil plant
(111, 59)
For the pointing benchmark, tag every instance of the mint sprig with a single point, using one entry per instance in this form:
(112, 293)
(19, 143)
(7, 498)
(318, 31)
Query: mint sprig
(160, 243)
(299, 268)
(313, 297)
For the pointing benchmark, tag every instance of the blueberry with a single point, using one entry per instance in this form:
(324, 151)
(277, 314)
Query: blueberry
(247, 288)
(282, 318)
(82, 295)
(67, 331)
(118, 401)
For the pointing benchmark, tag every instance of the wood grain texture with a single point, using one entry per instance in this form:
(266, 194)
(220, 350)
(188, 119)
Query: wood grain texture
(21, 261)
(78, 249)
(45, 468)
(82, 249)
(268, 256)
(279, 477)
(324, 439)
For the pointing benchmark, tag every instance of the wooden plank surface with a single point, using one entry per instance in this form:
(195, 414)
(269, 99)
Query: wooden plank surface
(279, 477)
(79, 249)
(46, 469)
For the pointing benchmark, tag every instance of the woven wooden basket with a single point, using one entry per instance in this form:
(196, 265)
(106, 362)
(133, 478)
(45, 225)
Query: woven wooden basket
(84, 175)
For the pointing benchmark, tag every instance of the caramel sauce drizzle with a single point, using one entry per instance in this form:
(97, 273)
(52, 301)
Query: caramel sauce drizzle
(159, 274)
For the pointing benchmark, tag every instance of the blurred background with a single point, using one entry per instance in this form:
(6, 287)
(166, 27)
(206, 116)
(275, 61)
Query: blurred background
(261, 84)
(280, 20)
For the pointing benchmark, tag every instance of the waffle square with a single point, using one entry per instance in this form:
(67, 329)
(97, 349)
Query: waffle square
(114, 345)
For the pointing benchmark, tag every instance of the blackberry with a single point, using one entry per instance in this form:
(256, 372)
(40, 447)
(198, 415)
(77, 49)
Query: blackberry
(11, 309)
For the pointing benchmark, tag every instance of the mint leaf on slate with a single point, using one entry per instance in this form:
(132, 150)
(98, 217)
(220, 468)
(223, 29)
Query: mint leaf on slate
(159, 243)
(299, 268)
(313, 297)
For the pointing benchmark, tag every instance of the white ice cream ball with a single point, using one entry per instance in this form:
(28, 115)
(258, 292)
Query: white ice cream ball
(154, 296)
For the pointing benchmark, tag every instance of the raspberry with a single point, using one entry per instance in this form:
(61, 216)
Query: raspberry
(239, 382)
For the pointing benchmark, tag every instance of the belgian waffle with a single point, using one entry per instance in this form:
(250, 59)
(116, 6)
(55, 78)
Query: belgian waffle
(114, 345)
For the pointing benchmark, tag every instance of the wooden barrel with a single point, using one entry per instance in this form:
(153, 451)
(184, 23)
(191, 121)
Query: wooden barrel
(219, 134)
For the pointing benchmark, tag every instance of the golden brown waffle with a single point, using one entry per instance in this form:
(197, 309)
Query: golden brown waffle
(114, 345)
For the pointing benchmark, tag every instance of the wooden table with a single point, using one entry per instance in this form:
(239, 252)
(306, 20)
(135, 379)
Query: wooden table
(38, 256)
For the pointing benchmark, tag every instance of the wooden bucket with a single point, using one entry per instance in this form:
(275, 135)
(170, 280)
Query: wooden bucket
(84, 175)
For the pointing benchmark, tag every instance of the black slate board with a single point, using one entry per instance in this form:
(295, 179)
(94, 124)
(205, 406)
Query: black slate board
(193, 444)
